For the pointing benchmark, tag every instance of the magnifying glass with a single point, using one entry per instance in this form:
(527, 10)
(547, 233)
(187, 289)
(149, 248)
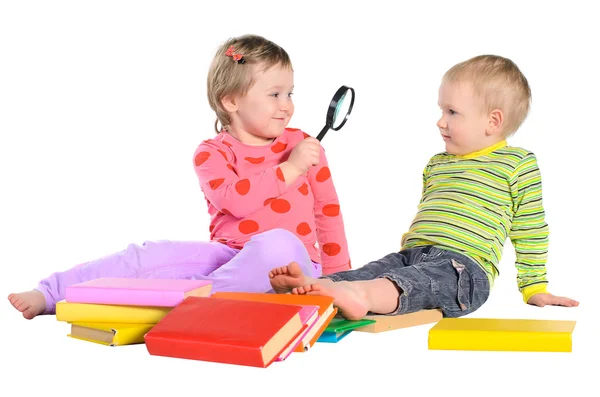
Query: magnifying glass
(339, 110)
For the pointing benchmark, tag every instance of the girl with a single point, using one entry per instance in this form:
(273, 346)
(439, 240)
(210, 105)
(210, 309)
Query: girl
(268, 188)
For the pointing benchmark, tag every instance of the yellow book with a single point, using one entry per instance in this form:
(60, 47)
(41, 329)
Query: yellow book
(95, 313)
(501, 335)
(117, 334)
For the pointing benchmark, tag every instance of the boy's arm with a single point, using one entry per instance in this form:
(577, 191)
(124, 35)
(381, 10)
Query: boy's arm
(529, 232)
(330, 232)
(228, 192)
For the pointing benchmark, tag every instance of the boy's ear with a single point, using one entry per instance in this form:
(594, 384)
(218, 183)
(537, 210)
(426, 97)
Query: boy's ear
(229, 103)
(495, 122)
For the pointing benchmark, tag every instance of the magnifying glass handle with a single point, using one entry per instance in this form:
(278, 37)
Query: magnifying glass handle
(323, 132)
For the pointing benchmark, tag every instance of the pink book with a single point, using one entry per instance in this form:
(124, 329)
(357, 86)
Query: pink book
(136, 291)
(308, 316)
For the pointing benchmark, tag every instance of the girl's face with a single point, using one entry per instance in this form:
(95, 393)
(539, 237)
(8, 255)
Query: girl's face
(263, 113)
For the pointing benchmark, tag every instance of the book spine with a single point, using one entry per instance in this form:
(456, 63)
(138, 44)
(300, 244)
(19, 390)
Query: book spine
(124, 297)
(158, 345)
(499, 341)
(100, 314)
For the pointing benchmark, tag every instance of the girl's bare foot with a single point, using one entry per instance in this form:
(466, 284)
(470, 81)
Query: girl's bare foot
(284, 279)
(30, 303)
(350, 299)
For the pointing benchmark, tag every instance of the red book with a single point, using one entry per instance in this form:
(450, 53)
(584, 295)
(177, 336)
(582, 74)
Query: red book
(225, 331)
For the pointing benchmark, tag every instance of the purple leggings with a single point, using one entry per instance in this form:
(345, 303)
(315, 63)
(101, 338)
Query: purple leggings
(245, 270)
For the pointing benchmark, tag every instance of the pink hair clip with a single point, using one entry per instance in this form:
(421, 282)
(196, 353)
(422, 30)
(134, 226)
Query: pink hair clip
(239, 58)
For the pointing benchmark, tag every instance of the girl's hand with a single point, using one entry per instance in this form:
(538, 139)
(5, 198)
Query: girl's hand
(305, 155)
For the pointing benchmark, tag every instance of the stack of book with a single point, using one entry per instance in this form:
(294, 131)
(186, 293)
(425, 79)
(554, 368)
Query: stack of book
(253, 329)
(120, 311)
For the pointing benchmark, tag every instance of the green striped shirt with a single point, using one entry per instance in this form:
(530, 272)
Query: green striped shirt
(471, 204)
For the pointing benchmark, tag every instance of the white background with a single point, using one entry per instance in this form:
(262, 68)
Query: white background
(103, 103)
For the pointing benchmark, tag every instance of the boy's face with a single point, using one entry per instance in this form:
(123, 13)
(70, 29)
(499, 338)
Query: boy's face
(264, 112)
(464, 123)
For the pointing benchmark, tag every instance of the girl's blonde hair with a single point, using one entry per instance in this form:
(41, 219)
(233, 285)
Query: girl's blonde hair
(499, 83)
(228, 76)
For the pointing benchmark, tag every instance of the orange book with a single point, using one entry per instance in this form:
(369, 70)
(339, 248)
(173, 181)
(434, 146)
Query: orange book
(325, 303)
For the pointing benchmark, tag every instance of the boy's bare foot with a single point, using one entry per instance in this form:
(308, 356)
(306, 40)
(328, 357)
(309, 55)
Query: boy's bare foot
(350, 299)
(30, 303)
(284, 279)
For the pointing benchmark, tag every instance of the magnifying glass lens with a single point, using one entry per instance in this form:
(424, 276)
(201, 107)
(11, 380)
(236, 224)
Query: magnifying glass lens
(341, 110)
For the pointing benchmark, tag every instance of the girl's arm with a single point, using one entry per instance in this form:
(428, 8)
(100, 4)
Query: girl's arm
(331, 235)
(228, 192)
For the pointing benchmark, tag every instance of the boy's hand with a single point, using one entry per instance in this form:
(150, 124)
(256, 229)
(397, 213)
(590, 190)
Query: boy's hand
(544, 299)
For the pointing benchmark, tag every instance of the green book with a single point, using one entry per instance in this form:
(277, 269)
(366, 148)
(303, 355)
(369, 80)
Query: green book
(340, 324)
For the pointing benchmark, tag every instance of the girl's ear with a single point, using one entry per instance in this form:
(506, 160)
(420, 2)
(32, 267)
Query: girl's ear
(229, 103)
(495, 122)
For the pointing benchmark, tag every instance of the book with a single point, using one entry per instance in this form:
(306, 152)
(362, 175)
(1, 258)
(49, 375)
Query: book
(110, 334)
(501, 335)
(339, 324)
(308, 315)
(90, 312)
(338, 328)
(136, 291)
(325, 303)
(225, 331)
(332, 336)
(385, 323)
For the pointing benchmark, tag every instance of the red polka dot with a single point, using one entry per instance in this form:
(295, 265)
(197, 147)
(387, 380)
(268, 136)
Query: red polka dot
(255, 160)
(222, 153)
(201, 158)
(303, 229)
(222, 241)
(226, 143)
(243, 186)
(248, 226)
(306, 135)
(279, 174)
(278, 147)
(225, 211)
(268, 201)
(323, 174)
(280, 206)
(211, 228)
(331, 249)
(331, 210)
(292, 129)
(215, 183)
(303, 189)
(231, 167)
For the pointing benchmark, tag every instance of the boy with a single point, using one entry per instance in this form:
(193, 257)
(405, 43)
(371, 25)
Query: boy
(475, 195)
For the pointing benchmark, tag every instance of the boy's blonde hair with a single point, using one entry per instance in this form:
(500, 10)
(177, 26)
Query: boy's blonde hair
(227, 76)
(499, 83)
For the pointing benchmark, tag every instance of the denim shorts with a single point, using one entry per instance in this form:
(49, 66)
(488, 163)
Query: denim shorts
(428, 277)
